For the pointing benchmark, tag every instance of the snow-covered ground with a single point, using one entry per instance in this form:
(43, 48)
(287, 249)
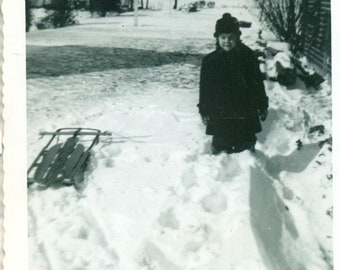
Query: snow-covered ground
(157, 199)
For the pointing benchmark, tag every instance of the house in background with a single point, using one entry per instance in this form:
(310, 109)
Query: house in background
(316, 33)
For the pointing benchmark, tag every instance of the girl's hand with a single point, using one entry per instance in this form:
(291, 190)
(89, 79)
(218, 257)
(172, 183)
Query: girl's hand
(205, 119)
(263, 114)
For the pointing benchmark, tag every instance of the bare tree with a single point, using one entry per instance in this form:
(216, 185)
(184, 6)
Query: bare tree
(284, 19)
(175, 5)
(28, 15)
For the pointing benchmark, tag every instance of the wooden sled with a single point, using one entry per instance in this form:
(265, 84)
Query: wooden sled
(63, 161)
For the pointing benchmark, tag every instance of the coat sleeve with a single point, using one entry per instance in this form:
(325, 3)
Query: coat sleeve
(203, 106)
(260, 100)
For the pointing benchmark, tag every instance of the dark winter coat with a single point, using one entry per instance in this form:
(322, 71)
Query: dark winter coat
(232, 92)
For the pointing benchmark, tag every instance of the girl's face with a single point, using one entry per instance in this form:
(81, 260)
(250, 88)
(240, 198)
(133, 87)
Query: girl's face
(227, 41)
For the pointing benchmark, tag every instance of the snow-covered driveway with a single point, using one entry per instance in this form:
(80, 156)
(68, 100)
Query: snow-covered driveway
(157, 199)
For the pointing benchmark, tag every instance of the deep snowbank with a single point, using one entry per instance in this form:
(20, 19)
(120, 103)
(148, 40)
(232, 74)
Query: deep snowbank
(159, 199)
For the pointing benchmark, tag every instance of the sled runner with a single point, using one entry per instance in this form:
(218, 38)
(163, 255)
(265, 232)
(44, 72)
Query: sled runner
(64, 159)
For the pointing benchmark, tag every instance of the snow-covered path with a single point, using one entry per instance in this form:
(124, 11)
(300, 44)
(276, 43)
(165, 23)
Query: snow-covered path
(160, 200)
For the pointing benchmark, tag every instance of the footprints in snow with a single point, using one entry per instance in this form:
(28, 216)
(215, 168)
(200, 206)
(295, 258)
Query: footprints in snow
(232, 169)
(215, 203)
(109, 155)
(202, 189)
(113, 155)
(168, 219)
(206, 208)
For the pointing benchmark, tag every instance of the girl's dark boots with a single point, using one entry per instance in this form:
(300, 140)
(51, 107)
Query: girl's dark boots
(218, 147)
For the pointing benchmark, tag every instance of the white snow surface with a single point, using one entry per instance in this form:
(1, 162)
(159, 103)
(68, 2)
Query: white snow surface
(160, 200)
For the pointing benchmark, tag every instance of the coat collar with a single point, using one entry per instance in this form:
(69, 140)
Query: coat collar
(234, 51)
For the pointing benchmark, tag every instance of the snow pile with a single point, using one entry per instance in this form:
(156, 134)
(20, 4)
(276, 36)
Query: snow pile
(155, 197)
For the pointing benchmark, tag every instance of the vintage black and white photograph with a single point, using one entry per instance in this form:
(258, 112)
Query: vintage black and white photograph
(179, 134)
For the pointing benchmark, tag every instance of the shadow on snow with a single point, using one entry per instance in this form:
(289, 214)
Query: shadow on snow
(297, 161)
(45, 61)
(272, 223)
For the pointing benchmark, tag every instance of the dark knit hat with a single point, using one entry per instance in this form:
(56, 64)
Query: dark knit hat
(227, 24)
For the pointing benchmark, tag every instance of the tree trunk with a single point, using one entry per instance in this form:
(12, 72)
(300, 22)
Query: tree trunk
(142, 4)
(28, 15)
(175, 5)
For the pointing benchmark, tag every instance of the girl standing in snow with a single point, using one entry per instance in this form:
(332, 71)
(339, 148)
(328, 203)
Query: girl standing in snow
(232, 96)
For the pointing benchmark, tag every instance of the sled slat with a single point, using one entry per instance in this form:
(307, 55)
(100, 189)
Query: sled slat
(57, 166)
(78, 177)
(46, 162)
(72, 161)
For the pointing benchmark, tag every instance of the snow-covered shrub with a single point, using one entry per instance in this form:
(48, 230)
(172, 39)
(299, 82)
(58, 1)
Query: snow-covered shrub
(60, 14)
(202, 4)
(103, 7)
(81, 4)
(211, 4)
(190, 7)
